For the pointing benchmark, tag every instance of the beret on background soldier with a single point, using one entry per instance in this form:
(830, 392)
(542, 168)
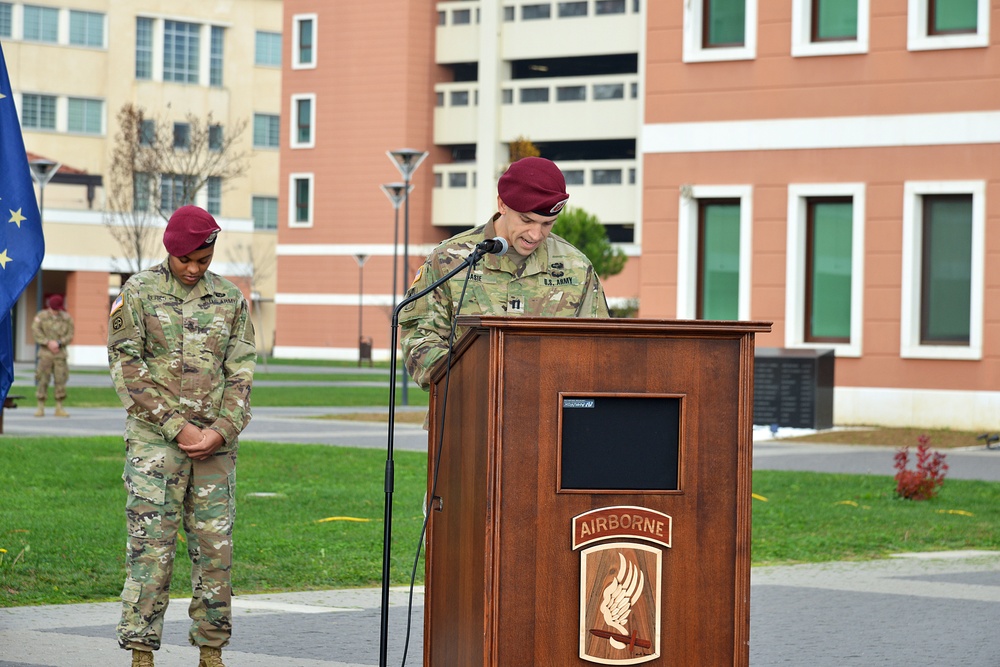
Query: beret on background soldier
(190, 228)
(535, 185)
(55, 302)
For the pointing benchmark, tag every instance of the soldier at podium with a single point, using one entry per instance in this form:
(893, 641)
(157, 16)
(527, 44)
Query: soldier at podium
(540, 275)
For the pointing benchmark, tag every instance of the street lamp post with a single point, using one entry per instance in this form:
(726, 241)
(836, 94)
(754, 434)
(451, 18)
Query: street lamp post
(361, 259)
(394, 191)
(42, 171)
(406, 160)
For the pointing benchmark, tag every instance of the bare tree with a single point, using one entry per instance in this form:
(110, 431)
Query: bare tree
(158, 166)
(128, 217)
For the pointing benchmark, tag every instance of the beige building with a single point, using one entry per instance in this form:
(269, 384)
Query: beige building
(73, 64)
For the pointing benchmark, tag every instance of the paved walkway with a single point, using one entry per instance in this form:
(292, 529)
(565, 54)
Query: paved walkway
(932, 609)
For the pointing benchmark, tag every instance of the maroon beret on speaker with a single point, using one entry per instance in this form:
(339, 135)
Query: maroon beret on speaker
(533, 184)
(190, 228)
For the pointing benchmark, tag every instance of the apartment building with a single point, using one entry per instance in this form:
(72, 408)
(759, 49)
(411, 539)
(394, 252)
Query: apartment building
(832, 167)
(73, 64)
(824, 165)
(459, 80)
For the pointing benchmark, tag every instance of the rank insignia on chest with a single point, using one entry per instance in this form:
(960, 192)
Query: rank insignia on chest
(516, 305)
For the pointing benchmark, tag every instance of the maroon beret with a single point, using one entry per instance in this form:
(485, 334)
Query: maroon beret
(189, 228)
(533, 184)
(55, 302)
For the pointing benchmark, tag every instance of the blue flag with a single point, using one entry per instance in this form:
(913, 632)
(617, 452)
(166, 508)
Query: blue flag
(22, 245)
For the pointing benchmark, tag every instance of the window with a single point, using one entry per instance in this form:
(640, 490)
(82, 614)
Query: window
(304, 38)
(38, 112)
(182, 136)
(215, 138)
(265, 212)
(953, 16)
(215, 56)
(265, 130)
(180, 52)
(573, 176)
(947, 24)
(534, 12)
(723, 23)
(459, 98)
(609, 91)
(147, 133)
(508, 13)
(303, 121)
(824, 279)
(570, 9)
(213, 188)
(714, 252)
(41, 24)
(6, 21)
(439, 99)
(828, 270)
(720, 30)
(534, 95)
(143, 48)
(458, 179)
(461, 17)
(609, 7)
(267, 49)
(829, 27)
(718, 259)
(140, 192)
(943, 260)
(172, 192)
(606, 177)
(571, 93)
(85, 116)
(86, 28)
(300, 200)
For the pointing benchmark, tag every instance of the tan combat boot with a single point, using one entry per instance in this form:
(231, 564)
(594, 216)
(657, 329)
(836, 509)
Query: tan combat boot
(211, 657)
(142, 658)
(40, 412)
(59, 410)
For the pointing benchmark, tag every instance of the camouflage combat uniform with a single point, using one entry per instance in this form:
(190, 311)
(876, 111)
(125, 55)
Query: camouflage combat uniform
(51, 325)
(556, 280)
(179, 354)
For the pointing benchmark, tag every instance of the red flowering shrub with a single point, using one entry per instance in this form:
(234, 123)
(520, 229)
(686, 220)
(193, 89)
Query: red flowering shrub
(923, 482)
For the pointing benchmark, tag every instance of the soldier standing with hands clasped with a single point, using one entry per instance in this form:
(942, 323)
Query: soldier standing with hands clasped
(181, 351)
(52, 329)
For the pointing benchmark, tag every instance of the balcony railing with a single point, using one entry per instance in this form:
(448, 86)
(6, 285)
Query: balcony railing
(605, 188)
(555, 109)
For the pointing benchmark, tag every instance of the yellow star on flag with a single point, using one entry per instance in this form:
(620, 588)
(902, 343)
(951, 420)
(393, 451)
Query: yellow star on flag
(16, 217)
(4, 259)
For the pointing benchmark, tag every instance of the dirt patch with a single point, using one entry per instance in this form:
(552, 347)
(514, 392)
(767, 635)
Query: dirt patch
(894, 437)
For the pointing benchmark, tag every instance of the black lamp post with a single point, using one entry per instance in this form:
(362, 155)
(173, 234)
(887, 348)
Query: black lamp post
(42, 171)
(406, 160)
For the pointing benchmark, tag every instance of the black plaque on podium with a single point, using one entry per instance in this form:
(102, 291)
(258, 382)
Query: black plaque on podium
(793, 388)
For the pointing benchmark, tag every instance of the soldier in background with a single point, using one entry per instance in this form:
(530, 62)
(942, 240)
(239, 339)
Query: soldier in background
(53, 331)
(182, 356)
(541, 274)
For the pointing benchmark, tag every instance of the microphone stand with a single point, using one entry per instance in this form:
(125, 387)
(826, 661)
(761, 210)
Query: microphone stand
(471, 260)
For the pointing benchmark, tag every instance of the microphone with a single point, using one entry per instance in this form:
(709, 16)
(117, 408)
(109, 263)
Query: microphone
(494, 246)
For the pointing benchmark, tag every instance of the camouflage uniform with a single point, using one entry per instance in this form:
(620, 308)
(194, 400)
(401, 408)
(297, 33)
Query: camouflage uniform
(556, 280)
(179, 354)
(50, 325)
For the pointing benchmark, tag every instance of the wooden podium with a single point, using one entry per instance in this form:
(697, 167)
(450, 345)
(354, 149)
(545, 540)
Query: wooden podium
(590, 502)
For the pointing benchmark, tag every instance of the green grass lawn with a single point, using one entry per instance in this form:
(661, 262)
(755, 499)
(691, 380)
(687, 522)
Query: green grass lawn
(310, 517)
